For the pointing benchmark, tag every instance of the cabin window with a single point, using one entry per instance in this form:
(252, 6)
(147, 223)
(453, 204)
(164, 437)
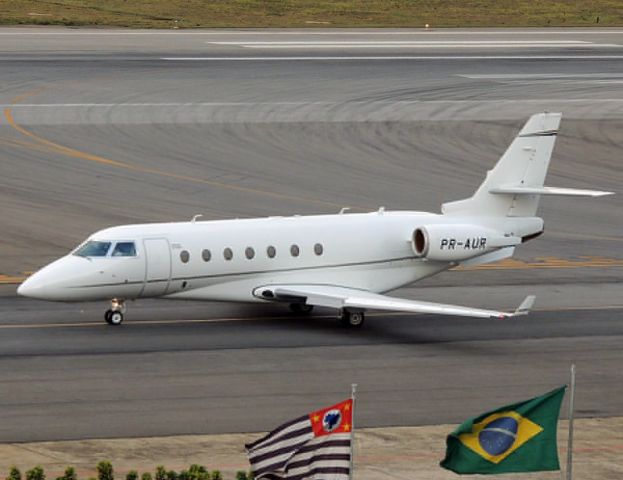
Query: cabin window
(184, 256)
(249, 253)
(206, 255)
(124, 249)
(318, 249)
(228, 254)
(295, 250)
(93, 248)
(271, 252)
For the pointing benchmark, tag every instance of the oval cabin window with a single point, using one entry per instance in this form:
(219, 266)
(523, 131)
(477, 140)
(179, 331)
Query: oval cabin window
(228, 254)
(295, 250)
(206, 255)
(318, 249)
(271, 252)
(184, 256)
(249, 253)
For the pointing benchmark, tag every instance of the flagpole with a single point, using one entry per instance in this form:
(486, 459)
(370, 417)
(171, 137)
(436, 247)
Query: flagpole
(353, 390)
(571, 411)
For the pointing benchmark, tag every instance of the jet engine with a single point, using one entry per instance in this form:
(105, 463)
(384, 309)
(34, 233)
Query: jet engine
(457, 242)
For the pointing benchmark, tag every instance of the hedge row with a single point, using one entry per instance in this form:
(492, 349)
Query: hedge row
(105, 472)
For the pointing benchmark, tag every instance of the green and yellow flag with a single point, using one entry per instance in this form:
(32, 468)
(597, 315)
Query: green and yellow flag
(516, 438)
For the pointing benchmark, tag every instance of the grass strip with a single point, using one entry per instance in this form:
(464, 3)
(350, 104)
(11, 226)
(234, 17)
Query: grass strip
(312, 13)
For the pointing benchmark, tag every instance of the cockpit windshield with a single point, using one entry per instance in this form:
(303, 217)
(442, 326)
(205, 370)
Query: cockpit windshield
(93, 248)
(124, 249)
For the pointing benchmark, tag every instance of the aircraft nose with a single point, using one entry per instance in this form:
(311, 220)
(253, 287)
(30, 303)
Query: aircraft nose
(24, 288)
(48, 283)
(34, 287)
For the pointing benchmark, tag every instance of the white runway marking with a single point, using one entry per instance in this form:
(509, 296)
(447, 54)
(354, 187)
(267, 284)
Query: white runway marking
(342, 46)
(19, 106)
(521, 76)
(394, 57)
(415, 44)
(408, 42)
(550, 78)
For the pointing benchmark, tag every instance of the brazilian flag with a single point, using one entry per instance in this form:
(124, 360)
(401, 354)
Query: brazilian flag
(516, 438)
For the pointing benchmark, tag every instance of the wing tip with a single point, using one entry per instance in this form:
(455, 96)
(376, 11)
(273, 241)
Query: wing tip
(525, 306)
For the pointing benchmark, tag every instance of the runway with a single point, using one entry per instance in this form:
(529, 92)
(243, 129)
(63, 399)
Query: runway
(104, 127)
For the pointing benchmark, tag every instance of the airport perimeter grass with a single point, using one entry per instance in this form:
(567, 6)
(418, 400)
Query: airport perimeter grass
(313, 13)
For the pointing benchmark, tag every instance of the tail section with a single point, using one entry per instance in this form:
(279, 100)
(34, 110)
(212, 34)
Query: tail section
(523, 165)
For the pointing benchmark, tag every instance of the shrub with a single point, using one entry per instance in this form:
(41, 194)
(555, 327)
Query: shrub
(105, 471)
(216, 475)
(14, 474)
(161, 473)
(171, 475)
(146, 476)
(131, 475)
(70, 474)
(240, 475)
(184, 475)
(198, 472)
(36, 473)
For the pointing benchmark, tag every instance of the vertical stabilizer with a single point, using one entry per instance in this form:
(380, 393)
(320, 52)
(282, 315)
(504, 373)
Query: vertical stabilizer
(523, 165)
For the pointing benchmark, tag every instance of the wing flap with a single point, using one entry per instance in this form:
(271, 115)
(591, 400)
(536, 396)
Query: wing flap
(355, 299)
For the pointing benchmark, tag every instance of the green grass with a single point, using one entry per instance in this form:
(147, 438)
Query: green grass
(313, 13)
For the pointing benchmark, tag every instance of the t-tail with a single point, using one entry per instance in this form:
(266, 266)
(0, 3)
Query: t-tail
(515, 185)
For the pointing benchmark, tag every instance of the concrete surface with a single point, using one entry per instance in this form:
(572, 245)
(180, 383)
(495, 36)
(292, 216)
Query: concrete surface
(103, 127)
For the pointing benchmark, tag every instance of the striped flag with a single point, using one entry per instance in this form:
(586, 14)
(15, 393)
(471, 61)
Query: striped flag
(315, 446)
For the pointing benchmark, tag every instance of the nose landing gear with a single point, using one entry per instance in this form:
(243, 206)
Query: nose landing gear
(114, 316)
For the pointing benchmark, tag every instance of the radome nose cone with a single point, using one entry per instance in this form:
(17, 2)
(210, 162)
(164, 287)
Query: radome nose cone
(44, 284)
(23, 289)
(27, 288)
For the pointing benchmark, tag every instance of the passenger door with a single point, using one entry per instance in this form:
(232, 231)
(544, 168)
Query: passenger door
(157, 267)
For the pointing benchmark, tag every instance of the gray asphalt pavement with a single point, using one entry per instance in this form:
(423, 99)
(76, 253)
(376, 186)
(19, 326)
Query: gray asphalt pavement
(109, 126)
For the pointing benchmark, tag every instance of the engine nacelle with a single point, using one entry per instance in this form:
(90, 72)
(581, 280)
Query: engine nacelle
(457, 242)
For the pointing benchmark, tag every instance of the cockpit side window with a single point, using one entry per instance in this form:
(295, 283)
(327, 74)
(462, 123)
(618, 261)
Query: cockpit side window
(93, 248)
(124, 249)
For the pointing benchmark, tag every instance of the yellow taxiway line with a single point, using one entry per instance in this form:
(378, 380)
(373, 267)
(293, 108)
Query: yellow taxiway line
(250, 319)
(549, 262)
(71, 152)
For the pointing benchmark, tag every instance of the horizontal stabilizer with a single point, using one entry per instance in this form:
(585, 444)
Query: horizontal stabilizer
(355, 299)
(571, 192)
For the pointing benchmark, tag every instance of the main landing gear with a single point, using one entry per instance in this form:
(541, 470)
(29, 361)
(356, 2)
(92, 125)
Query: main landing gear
(114, 316)
(351, 319)
(301, 307)
(348, 318)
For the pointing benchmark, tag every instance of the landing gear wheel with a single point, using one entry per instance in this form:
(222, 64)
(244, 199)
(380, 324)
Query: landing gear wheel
(352, 319)
(114, 315)
(116, 318)
(301, 307)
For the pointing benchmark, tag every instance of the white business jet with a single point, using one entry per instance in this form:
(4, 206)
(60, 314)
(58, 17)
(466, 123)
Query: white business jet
(343, 261)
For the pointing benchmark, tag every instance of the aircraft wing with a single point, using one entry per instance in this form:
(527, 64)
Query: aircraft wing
(355, 299)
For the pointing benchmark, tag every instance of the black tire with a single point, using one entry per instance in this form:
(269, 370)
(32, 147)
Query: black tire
(107, 316)
(116, 318)
(301, 307)
(352, 319)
